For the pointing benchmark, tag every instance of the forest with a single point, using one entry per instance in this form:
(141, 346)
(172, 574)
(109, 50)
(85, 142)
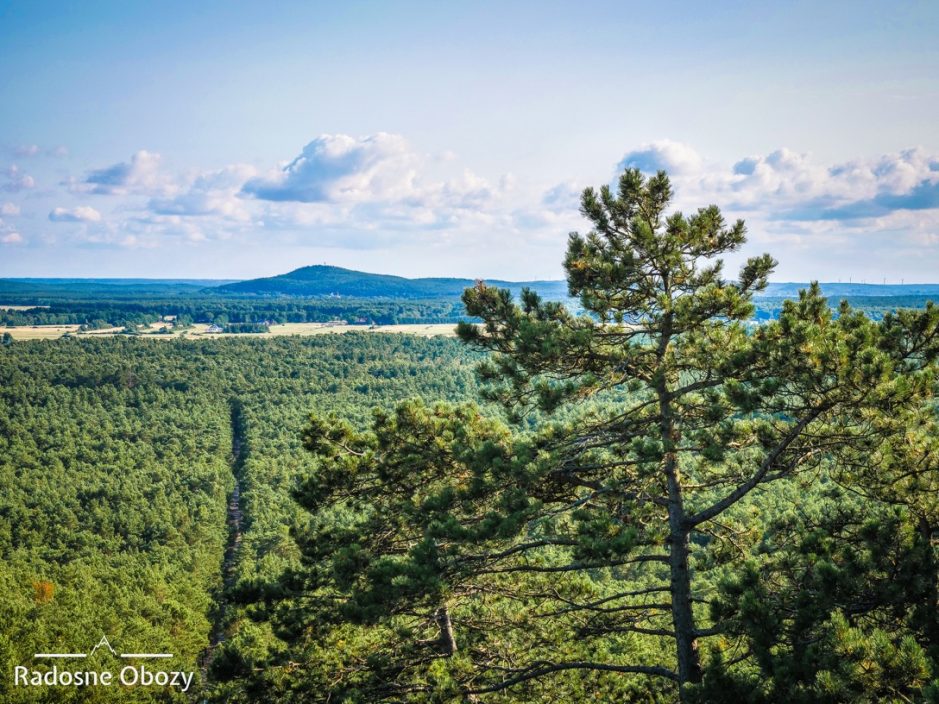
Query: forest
(643, 498)
(225, 311)
(115, 468)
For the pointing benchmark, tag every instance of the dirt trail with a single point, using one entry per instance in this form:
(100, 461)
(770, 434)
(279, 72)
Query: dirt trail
(233, 521)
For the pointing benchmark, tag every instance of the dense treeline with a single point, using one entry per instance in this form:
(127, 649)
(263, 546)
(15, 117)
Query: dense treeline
(237, 328)
(113, 478)
(875, 307)
(381, 311)
(114, 473)
(224, 311)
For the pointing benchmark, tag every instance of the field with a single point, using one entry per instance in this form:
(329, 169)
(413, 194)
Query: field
(421, 330)
(40, 332)
(200, 330)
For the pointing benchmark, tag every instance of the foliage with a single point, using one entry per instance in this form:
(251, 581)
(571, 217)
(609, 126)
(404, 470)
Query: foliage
(650, 500)
(115, 471)
(448, 556)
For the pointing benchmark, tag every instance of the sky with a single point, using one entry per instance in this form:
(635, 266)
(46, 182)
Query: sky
(241, 139)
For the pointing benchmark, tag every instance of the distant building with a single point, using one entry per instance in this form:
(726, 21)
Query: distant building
(214, 328)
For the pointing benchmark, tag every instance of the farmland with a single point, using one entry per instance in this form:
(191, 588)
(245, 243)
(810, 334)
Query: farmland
(201, 330)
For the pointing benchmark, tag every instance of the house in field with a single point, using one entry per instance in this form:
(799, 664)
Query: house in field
(169, 318)
(213, 328)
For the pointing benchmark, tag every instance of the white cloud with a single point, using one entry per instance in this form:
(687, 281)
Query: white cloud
(676, 158)
(792, 186)
(370, 191)
(378, 191)
(82, 213)
(380, 168)
(212, 193)
(11, 238)
(9, 209)
(17, 181)
(340, 168)
(345, 186)
(140, 175)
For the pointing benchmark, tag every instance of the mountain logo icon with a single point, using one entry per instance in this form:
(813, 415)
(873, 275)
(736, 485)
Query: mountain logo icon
(103, 642)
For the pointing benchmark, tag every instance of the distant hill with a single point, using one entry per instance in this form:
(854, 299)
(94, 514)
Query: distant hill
(199, 283)
(842, 290)
(321, 281)
(45, 290)
(324, 280)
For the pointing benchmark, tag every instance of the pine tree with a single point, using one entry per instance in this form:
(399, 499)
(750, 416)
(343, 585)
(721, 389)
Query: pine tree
(590, 538)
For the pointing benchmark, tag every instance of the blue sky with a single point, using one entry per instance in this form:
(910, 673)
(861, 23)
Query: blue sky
(227, 139)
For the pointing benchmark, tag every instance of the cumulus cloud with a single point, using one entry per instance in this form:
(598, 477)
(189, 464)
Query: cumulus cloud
(11, 238)
(137, 232)
(786, 185)
(82, 213)
(212, 193)
(376, 169)
(140, 175)
(9, 209)
(378, 191)
(556, 211)
(676, 158)
(335, 168)
(17, 181)
(345, 184)
(371, 191)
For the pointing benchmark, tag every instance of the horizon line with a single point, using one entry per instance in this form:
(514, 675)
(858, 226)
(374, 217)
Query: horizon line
(229, 279)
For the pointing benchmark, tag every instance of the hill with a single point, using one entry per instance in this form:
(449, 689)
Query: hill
(322, 280)
(852, 290)
(37, 290)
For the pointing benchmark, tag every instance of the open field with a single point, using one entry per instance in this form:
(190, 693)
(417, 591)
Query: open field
(102, 331)
(200, 330)
(423, 329)
(3, 306)
(39, 332)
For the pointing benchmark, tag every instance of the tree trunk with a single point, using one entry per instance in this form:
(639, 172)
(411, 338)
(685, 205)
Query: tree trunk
(447, 639)
(932, 590)
(686, 644)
